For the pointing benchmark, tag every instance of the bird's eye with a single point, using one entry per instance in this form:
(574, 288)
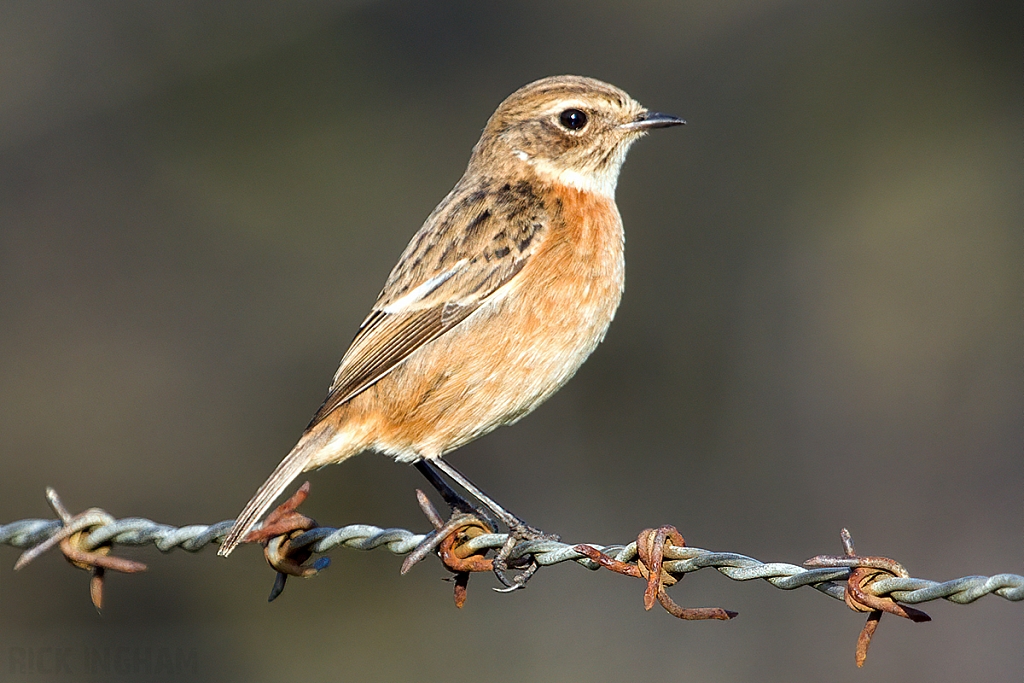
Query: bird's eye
(573, 119)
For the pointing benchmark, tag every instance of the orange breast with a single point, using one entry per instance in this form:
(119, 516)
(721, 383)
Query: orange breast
(512, 353)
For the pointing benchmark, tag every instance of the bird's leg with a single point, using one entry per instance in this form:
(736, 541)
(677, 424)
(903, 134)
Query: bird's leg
(455, 501)
(518, 530)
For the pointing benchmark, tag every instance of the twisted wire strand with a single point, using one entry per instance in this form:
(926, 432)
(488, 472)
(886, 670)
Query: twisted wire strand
(137, 531)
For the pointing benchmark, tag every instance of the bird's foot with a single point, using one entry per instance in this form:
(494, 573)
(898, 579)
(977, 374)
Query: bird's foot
(515, 555)
(524, 562)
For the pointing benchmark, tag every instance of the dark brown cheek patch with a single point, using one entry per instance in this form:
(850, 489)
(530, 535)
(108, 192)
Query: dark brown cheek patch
(545, 136)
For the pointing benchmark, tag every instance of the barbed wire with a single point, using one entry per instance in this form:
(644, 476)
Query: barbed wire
(138, 531)
(867, 584)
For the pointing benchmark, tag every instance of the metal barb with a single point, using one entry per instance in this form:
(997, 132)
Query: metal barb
(449, 541)
(276, 534)
(866, 571)
(72, 537)
(650, 549)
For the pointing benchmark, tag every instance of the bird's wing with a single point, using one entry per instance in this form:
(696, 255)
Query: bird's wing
(476, 241)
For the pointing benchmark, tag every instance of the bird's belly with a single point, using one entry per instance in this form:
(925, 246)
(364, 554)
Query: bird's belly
(495, 369)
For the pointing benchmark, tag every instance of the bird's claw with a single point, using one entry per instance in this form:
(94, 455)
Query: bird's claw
(525, 563)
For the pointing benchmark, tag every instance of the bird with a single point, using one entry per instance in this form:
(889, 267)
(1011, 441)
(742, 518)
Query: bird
(505, 290)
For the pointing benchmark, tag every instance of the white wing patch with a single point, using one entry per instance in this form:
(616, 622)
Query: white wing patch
(406, 301)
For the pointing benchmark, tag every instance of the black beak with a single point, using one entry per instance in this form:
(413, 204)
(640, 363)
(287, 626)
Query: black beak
(653, 119)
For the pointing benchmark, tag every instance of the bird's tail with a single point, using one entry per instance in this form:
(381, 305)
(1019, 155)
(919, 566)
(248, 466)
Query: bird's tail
(291, 467)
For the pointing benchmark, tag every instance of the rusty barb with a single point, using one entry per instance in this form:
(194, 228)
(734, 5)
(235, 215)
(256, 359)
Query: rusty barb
(651, 545)
(868, 571)
(450, 541)
(276, 534)
(73, 541)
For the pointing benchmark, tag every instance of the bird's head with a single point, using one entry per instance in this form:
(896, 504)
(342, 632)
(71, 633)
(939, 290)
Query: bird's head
(568, 129)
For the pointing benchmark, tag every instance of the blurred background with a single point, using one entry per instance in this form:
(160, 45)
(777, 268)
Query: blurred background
(821, 328)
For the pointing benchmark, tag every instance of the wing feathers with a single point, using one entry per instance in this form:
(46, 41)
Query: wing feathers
(473, 244)
(380, 348)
